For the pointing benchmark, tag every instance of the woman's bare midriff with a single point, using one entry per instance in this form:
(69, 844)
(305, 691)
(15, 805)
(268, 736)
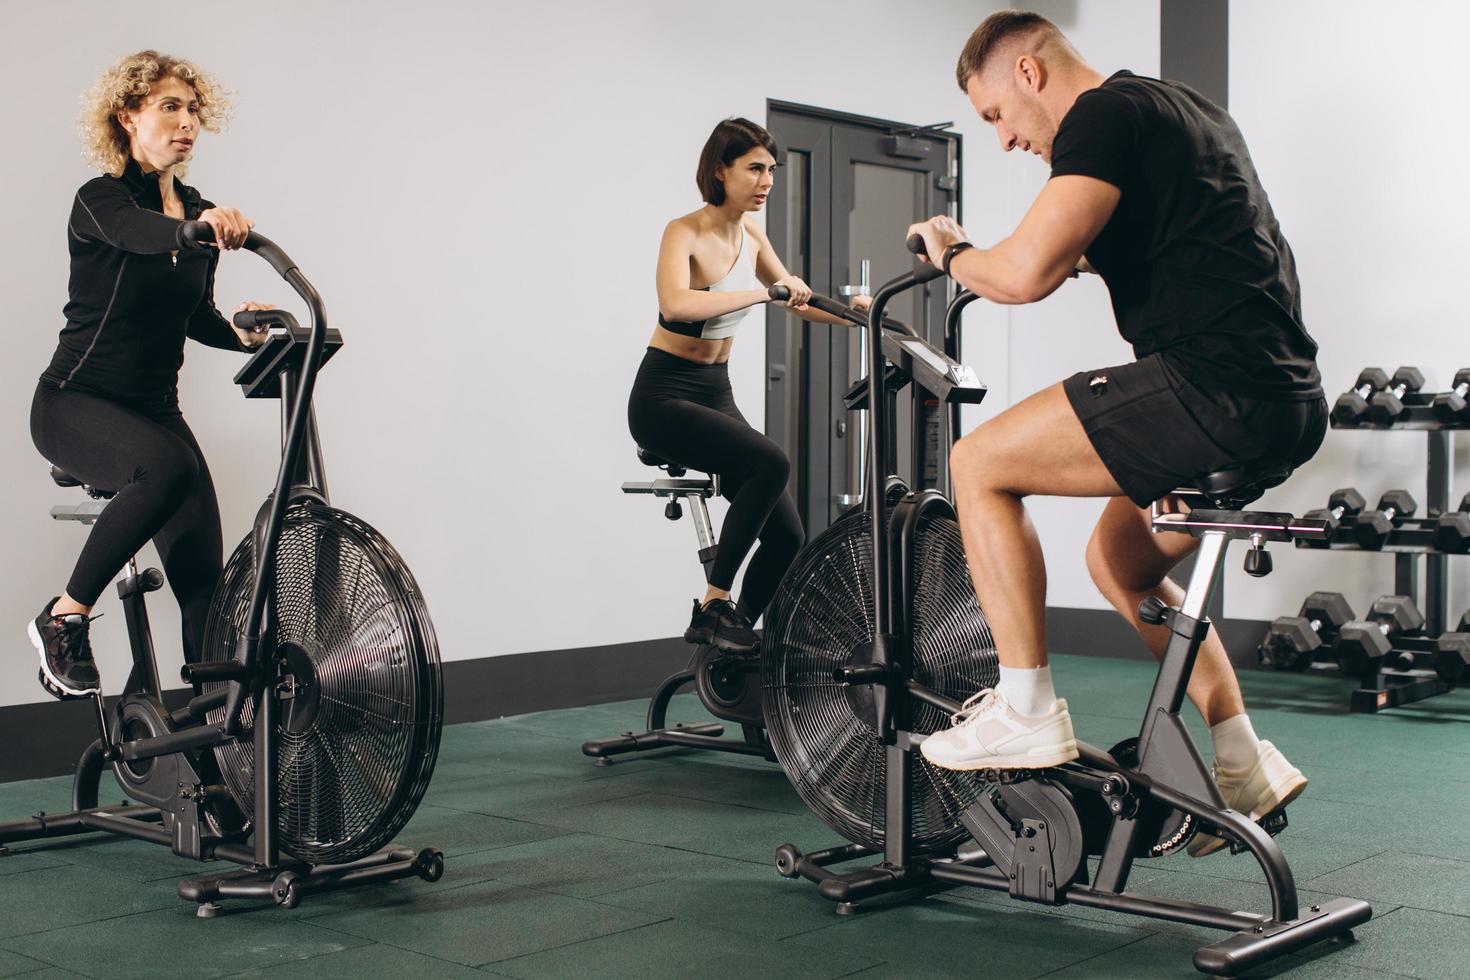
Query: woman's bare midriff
(691, 348)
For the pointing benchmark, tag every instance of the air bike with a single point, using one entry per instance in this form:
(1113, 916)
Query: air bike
(317, 703)
(730, 688)
(875, 637)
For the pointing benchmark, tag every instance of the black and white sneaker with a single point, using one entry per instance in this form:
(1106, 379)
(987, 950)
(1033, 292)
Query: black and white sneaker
(720, 624)
(64, 644)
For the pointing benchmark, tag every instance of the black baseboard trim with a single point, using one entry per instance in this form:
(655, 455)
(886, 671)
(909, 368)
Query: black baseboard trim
(493, 687)
(46, 738)
(1103, 633)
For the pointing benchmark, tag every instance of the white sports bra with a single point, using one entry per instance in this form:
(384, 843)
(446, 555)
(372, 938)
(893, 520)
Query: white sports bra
(740, 277)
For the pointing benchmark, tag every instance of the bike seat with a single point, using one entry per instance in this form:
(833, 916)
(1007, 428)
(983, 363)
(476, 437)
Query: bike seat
(64, 479)
(648, 458)
(1232, 489)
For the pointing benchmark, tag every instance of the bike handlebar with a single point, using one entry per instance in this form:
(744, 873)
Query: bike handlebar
(840, 310)
(199, 234)
(259, 321)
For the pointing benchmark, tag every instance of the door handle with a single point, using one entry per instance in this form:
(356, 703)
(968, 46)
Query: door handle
(862, 285)
(858, 479)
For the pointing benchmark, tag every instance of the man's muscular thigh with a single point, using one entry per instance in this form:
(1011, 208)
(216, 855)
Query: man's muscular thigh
(1035, 447)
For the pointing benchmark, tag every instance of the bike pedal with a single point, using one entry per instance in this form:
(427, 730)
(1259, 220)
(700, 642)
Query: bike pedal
(1009, 777)
(1272, 823)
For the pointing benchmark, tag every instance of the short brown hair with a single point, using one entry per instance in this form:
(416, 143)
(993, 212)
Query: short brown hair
(996, 29)
(731, 140)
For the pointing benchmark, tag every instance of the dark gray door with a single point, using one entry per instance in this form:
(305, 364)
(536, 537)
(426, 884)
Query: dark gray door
(799, 224)
(848, 188)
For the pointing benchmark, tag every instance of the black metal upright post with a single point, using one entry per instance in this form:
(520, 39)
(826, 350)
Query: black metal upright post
(1436, 566)
(311, 470)
(316, 468)
(1406, 576)
(878, 416)
(140, 636)
(950, 425)
(267, 851)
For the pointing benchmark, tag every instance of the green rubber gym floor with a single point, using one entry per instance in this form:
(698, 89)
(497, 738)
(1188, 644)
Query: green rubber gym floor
(661, 867)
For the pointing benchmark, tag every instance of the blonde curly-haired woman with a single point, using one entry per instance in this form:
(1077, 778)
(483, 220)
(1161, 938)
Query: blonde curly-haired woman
(106, 410)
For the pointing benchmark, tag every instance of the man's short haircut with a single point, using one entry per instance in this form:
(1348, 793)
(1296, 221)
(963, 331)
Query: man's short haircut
(996, 30)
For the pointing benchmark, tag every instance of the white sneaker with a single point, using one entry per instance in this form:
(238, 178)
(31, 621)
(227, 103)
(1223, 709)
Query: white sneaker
(1257, 791)
(988, 734)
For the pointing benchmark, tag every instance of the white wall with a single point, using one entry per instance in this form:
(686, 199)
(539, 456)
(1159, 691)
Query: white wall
(1353, 118)
(478, 190)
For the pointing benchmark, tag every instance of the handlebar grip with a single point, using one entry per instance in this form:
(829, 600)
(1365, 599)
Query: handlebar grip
(195, 234)
(259, 321)
(779, 293)
(252, 320)
(923, 273)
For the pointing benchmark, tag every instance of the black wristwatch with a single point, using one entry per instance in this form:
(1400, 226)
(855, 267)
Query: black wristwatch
(950, 252)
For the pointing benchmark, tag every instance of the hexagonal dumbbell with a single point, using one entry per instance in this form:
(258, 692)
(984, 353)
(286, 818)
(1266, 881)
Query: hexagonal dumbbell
(1452, 657)
(1452, 529)
(1346, 502)
(1362, 645)
(1451, 406)
(1291, 642)
(1374, 526)
(1386, 406)
(1352, 406)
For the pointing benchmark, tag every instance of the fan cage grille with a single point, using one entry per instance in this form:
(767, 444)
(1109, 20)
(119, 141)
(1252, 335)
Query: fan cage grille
(351, 776)
(822, 619)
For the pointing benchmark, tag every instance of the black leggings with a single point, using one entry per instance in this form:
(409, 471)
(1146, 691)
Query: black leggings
(164, 493)
(686, 412)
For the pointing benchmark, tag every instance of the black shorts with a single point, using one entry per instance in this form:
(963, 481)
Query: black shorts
(1156, 431)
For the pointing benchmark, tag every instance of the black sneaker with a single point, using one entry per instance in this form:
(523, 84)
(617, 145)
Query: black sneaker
(64, 644)
(718, 622)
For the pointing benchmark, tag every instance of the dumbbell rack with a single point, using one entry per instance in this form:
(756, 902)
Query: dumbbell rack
(1407, 542)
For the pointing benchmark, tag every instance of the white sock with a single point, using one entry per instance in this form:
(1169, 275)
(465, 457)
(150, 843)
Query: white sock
(1028, 690)
(1236, 744)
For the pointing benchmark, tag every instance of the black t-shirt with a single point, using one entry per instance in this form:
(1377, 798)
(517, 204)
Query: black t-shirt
(132, 302)
(1193, 257)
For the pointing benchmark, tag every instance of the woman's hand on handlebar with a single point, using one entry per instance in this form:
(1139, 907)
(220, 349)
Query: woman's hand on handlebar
(250, 338)
(230, 226)
(939, 233)
(800, 291)
(861, 303)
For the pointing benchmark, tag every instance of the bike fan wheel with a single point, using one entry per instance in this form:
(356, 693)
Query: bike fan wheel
(359, 735)
(825, 734)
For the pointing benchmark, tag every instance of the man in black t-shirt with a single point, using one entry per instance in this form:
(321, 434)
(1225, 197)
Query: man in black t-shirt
(1153, 189)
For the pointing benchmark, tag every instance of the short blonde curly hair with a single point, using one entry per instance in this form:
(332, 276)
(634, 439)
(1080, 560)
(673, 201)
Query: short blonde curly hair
(124, 86)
